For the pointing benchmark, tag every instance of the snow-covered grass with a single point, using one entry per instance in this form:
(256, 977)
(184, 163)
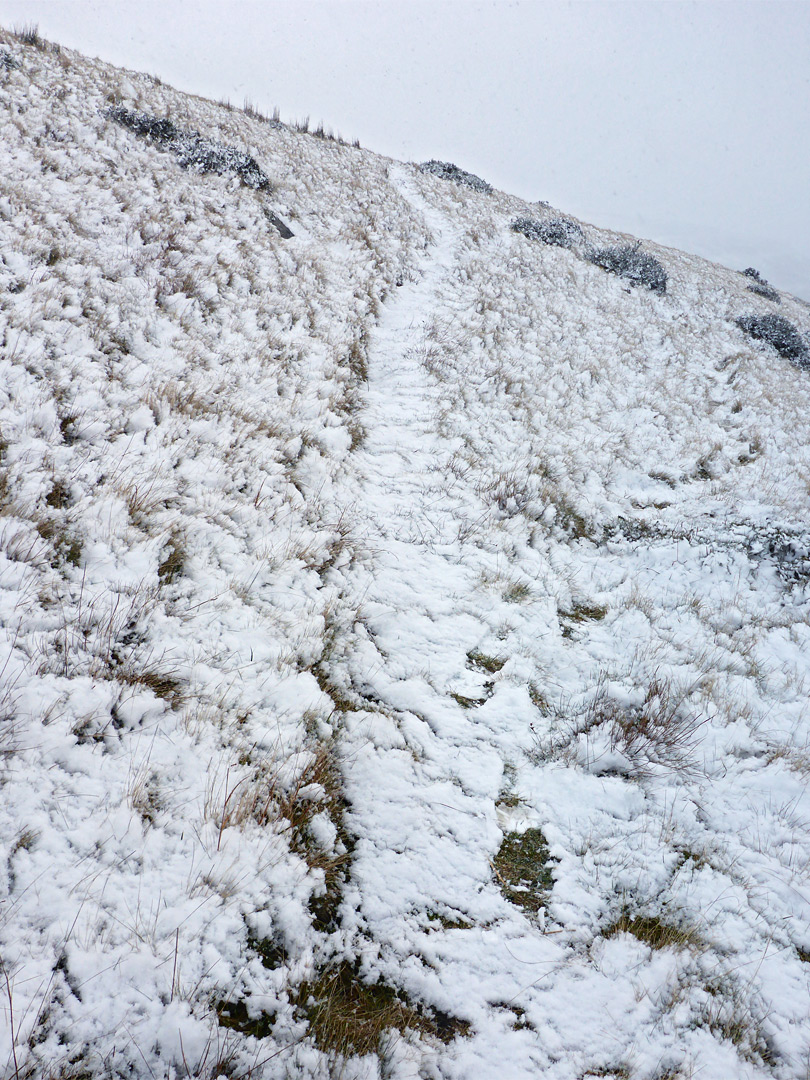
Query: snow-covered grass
(403, 624)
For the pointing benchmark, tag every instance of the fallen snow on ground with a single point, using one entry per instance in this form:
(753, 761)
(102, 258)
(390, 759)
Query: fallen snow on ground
(408, 602)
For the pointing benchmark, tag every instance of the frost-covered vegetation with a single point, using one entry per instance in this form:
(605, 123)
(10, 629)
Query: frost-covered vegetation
(561, 232)
(190, 148)
(630, 262)
(777, 331)
(448, 171)
(394, 681)
(760, 286)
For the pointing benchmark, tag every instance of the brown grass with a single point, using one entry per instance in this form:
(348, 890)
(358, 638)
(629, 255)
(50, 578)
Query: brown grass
(660, 732)
(263, 797)
(654, 932)
(174, 559)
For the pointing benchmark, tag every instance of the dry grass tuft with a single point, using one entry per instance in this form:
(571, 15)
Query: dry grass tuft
(516, 592)
(661, 732)
(731, 1015)
(163, 685)
(28, 34)
(262, 798)
(582, 612)
(467, 702)
(654, 932)
(145, 796)
(174, 559)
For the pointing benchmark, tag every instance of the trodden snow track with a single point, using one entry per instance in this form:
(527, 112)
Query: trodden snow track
(423, 770)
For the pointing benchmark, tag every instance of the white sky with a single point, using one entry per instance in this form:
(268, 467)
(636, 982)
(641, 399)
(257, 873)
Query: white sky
(685, 122)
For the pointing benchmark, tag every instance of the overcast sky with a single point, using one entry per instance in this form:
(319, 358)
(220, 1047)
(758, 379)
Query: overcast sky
(684, 122)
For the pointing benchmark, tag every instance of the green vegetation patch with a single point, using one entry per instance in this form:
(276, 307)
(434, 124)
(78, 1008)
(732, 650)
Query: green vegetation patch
(481, 662)
(348, 1015)
(523, 869)
(467, 702)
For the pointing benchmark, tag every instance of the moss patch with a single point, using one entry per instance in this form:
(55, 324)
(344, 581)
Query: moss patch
(350, 1016)
(523, 869)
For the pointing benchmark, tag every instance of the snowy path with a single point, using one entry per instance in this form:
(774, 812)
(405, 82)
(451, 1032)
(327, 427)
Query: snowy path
(425, 771)
(405, 495)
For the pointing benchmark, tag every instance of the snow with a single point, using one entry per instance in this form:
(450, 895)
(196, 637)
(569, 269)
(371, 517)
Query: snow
(326, 563)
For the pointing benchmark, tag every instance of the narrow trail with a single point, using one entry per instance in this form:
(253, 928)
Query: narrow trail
(405, 497)
(425, 770)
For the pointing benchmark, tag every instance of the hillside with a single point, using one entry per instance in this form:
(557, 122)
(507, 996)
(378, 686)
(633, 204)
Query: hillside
(403, 617)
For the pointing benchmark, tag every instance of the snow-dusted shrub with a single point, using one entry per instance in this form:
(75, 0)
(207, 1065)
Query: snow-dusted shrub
(760, 286)
(561, 232)
(448, 171)
(776, 330)
(790, 555)
(633, 264)
(766, 290)
(7, 61)
(191, 149)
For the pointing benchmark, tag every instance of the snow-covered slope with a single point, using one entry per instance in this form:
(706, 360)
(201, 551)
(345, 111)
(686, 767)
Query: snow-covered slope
(404, 622)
